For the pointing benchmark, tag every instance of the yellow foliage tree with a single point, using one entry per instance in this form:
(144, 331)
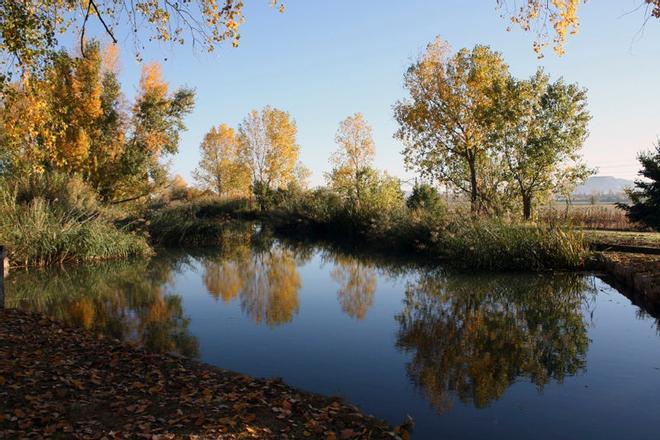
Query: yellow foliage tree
(445, 123)
(29, 29)
(353, 158)
(268, 146)
(220, 167)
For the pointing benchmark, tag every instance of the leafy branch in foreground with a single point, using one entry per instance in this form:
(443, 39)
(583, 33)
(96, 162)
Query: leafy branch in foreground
(29, 29)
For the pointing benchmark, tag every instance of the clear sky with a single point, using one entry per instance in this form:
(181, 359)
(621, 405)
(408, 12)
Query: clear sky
(324, 60)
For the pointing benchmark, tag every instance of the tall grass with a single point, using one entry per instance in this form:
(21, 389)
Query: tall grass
(54, 219)
(199, 222)
(588, 217)
(496, 245)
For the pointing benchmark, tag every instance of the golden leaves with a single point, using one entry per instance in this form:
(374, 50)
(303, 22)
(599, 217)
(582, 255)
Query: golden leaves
(268, 146)
(560, 15)
(151, 81)
(221, 167)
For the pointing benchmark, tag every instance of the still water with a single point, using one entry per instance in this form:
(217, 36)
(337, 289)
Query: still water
(466, 355)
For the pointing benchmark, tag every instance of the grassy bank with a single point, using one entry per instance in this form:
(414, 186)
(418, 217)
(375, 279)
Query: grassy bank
(433, 233)
(49, 219)
(54, 219)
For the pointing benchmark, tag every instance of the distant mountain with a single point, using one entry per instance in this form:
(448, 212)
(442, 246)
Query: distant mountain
(603, 185)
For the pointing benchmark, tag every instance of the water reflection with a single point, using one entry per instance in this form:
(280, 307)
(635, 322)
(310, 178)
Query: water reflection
(261, 274)
(357, 284)
(472, 336)
(127, 300)
(268, 307)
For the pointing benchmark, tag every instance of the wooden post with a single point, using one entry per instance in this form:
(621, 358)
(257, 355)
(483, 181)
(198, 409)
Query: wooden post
(3, 264)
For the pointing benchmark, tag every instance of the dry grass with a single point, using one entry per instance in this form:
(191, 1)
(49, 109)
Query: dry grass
(589, 217)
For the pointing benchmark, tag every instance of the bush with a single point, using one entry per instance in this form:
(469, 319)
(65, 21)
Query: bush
(52, 219)
(425, 197)
(196, 222)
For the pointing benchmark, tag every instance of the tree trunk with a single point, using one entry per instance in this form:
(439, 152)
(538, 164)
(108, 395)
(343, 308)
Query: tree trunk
(527, 206)
(474, 194)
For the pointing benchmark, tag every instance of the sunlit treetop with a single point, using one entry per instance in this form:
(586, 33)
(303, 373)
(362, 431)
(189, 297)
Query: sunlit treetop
(554, 20)
(29, 29)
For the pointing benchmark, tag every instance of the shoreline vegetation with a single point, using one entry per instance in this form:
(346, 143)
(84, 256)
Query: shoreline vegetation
(436, 235)
(64, 381)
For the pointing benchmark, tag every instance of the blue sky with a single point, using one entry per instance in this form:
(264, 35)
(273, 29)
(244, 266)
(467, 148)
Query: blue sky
(324, 60)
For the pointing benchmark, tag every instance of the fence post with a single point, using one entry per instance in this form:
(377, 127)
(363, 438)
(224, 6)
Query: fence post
(3, 263)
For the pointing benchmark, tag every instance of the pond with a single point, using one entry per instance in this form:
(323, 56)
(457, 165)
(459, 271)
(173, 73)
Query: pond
(466, 355)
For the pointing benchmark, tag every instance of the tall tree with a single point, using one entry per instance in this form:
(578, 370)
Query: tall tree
(645, 197)
(156, 123)
(220, 167)
(353, 158)
(541, 127)
(444, 124)
(268, 146)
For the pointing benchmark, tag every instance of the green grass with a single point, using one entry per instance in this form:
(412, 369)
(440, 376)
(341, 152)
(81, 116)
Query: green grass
(628, 238)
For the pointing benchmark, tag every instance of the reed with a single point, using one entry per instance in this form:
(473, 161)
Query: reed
(49, 220)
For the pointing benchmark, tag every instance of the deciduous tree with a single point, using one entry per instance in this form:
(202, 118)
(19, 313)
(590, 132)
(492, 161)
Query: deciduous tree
(220, 167)
(353, 158)
(540, 129)
(553, 21)
(269, 148)
(156, 122)
(30, 29)
(444, 124)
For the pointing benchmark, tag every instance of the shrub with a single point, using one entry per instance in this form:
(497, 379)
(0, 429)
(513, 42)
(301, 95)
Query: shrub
(53, 219)
(197, 222)
(425, 197)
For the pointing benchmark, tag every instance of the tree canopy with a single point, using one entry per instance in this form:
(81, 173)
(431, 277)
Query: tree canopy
(468, 124)
(74, 120)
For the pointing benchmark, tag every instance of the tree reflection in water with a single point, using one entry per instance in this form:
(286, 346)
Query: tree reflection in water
(127, 300)
(357, 285)
(262, 274)
(471, 336)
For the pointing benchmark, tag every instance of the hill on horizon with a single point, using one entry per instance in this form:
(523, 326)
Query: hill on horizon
(603, 185)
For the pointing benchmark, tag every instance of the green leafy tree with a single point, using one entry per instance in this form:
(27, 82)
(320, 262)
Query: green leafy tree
(444, 124)
(425, 197)
(541, 127)
(156, 123)
(645, 197)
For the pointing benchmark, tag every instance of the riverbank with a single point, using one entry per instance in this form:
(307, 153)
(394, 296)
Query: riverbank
(67, 382)
(639, 273)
